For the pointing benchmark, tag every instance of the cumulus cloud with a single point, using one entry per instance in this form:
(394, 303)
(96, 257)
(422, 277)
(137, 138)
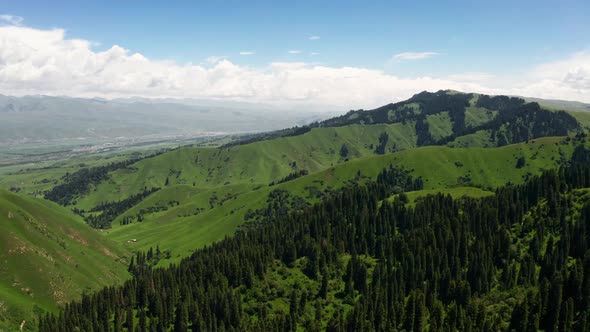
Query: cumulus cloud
(414, 55)
(11, 19)
(472, 77)
(314, 37)
(36, 61)
(294, 52)
(565, 79)
(247, 53)
(216, 58)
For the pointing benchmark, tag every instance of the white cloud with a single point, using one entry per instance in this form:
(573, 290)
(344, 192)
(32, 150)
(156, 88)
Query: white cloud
(294, 52)
(314, 53)
(472, 77)
(414, 55)
(36, 61)
(216, 58)
(314, 37)
(247, 53)
(565, 79)
(11, 19)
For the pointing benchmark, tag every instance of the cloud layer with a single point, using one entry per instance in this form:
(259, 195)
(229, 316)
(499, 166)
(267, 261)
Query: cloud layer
(34, 61)
(11, 19)
(414, 55)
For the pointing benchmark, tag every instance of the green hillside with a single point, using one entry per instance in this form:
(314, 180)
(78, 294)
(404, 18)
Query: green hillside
(49, 257)
(256, 163)
(566, 105)
(456, 119)
(516, 260)
(462, 120)
(456, 193)
(187, 220)
(190, 197)
(36, 178)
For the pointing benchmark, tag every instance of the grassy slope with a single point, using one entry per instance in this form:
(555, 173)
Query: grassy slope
(456, 193)
(573, 106)
(34, 178)
(243, 173)
(180, 231)
(257, 163)
(583, 118)
(440, 125)
(480, 139)
(49, 257)
(475, 116)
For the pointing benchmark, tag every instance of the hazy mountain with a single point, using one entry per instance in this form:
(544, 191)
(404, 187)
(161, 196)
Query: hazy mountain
(44, 118)
(566, 105)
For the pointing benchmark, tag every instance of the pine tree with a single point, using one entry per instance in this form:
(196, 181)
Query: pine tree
(324, 287)
(180, 318)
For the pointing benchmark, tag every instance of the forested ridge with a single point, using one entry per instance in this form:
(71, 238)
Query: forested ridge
(80, 182)
(518, 260)
(102, 215)
(438, 118)
(73, 185)
(515, 120)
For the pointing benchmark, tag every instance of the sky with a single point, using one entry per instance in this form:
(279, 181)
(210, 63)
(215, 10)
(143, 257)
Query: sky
(350, 54)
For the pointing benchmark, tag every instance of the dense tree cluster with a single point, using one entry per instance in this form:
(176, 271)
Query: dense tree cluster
(532, 122)
(102, 215)
(517, 260)
(256, 137)
(516, 121)
(383, 139)
(291, 176)
(423, 131)
(502, 104)
(428, 104)
(80, 182)
(279, 204)
(395, 180)
(343, 151)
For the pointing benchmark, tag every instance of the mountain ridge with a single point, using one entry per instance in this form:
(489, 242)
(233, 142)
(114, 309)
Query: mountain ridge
(190, 197)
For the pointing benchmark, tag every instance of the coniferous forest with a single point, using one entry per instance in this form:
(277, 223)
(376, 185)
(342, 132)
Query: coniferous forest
(261, 166)
(518, 260)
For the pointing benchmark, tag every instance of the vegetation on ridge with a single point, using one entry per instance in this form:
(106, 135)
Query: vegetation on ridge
(515, 261)
(165, 206)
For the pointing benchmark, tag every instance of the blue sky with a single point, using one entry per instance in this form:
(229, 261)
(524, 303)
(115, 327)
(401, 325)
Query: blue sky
(539, 48)
(498, 36)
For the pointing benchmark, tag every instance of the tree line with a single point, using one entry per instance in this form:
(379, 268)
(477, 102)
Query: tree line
(518, 260)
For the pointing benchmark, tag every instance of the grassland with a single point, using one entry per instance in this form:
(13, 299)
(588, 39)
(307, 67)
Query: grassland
(257, 163)
(456, 193)
(206, 192)
(194, 222)
(49, 257)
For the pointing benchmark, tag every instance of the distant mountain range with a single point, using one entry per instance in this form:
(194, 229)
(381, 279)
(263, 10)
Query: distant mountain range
(303, 206)
(44, 119)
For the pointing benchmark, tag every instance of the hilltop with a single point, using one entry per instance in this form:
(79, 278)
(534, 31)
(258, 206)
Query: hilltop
(445, 116)
(176, 201)
(199, 195)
